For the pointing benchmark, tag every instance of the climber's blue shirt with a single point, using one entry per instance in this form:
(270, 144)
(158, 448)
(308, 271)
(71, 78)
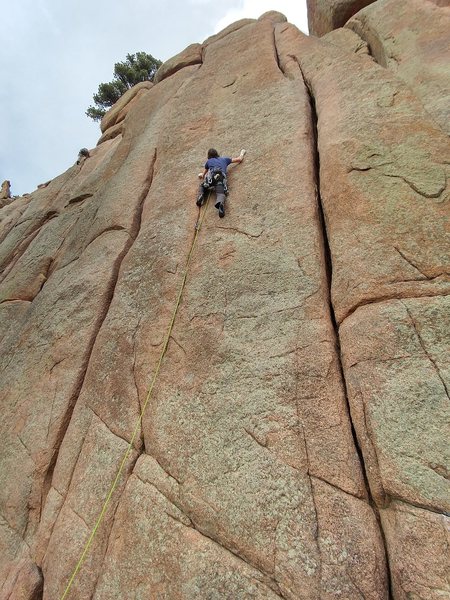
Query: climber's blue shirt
(218, 163)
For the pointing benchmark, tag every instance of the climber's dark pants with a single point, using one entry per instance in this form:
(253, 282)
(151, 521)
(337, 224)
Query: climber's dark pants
(220, 193)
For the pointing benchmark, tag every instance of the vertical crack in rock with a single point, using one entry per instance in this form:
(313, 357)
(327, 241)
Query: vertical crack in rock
(39, 591)
(133, 371)
(137, 221)
(316, 513)
(358, 25)
(134, 231)
(329, 276)
(277, 55)
(53, 265)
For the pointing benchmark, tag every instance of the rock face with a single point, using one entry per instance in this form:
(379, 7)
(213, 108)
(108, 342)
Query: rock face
(326, 15)
(118, 112)
(293, 444)
(411, 38)
(192, 55)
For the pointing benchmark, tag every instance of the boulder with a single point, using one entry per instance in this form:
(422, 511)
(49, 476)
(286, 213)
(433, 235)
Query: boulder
(273, 16)
(192, 55)
(326, 15)
(347, 40)
(230, 29)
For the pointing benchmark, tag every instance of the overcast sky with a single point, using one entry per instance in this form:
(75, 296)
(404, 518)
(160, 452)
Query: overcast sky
(55, 53)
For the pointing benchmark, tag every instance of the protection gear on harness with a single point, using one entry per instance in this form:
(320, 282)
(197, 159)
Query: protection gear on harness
(214, 177)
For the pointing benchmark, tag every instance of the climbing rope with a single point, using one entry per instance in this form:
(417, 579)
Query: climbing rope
(198, 225)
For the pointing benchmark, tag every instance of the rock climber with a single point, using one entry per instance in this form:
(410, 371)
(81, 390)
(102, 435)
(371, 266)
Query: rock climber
(215, 177)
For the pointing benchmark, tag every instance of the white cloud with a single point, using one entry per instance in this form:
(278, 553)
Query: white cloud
(295, 12)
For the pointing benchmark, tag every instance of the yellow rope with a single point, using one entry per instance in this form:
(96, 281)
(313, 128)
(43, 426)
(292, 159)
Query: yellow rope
(139, 421)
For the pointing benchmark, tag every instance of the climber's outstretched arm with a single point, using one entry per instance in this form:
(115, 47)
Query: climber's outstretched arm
(240, 158)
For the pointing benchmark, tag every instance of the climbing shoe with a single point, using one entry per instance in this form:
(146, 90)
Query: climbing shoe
(221, 210)
(200, 200)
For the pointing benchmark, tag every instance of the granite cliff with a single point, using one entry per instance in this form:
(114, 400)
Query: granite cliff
(295, 442)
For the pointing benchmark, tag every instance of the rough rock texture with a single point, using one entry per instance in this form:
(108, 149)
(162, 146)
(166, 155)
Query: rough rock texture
(380, 156)
(294, 444)
(411, 38)
(395, 343)
(347, 40)
(326, 15)
(25, 582)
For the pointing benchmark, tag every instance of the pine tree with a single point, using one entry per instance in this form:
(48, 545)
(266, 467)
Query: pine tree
(136, 68)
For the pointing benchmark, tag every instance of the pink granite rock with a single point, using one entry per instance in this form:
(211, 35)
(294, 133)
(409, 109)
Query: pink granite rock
(112, 116)
(326, 15)
(383, 177)
(395, 344)
(410, 37)
(279, 455)
(192, 55)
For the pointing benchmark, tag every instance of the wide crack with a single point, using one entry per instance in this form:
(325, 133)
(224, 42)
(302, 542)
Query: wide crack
(329, 276)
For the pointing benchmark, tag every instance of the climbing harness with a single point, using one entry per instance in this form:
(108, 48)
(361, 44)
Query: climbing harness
(198, 225)
(214, 177)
